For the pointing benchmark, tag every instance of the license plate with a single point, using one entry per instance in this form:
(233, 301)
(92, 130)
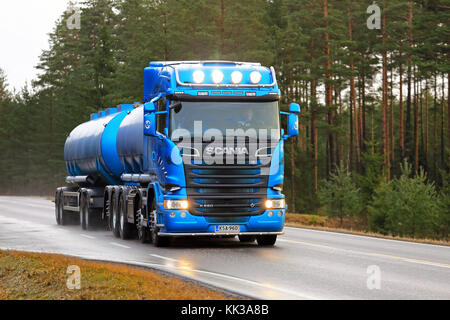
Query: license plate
(227, 228)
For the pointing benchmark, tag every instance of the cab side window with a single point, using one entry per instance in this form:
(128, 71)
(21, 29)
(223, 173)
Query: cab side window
(161, 118)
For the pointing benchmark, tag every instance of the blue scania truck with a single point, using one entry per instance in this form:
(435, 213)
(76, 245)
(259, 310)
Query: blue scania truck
(201, 156)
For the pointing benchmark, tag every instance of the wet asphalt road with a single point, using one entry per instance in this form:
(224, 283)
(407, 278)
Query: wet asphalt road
(304, 264)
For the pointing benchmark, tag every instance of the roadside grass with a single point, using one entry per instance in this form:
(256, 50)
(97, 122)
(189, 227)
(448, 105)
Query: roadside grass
(349, 226)
(34, 276)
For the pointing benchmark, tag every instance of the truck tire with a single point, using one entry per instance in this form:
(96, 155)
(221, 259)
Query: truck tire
(246, 238)
(125, 228)
(157, 240)
(143, 232)
(267, 240)
(108, 214)
(114, 217)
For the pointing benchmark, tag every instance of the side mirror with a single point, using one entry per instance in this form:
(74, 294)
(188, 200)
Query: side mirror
(292, 131)
(293, 125)
(294, 108)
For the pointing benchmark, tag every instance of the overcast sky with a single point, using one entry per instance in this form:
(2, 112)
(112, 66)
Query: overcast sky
(24, 29)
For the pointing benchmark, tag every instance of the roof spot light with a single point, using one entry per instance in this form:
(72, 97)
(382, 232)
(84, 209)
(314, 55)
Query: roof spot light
(198, 76)
(255, 77)
(236, 77)
(217, 76)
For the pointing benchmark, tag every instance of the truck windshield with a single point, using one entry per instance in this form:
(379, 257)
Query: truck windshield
(263, 117)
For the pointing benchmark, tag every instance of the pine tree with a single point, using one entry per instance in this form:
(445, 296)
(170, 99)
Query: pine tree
(340, 195)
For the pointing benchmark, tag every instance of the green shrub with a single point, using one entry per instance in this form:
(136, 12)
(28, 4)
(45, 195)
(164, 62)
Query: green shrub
(406, 206)
(340, 196)
(444, 206)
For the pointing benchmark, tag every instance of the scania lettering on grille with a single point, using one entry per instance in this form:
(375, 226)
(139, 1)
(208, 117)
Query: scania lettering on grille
(226, 150)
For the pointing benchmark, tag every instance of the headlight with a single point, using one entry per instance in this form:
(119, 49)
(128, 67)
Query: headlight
(198, 76)
(236, 77)
(275, 204)
(176, 204)
(217, 76)
(255, 77)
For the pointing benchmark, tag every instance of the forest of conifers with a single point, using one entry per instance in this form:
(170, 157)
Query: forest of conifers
(375, 118)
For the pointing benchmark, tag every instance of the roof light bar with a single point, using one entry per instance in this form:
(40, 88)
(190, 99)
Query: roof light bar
(252, 85)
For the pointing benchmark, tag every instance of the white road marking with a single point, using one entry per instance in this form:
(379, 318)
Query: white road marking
(306, 243)
(368, 237)
(120, 245)
(425, 262)
(373, 254)
(165, 258)
(86, 236)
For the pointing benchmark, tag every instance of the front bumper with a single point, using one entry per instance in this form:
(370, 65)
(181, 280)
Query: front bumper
(191, 225)
(212, 234)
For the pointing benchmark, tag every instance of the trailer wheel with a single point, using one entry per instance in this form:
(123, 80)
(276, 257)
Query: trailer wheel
(246, 238)
(125, 228)
(114, 218)
(267, 240)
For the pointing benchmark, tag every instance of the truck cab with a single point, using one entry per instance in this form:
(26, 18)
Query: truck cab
(215, 135)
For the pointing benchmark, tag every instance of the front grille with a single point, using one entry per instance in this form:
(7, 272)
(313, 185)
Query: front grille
(226, 190)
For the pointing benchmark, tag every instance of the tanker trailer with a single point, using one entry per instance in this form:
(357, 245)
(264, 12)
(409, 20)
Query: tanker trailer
(92, 163)
(145, 171)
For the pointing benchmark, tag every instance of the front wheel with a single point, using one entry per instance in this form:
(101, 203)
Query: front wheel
(247, 238)
(157, 240)
(266, 240)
